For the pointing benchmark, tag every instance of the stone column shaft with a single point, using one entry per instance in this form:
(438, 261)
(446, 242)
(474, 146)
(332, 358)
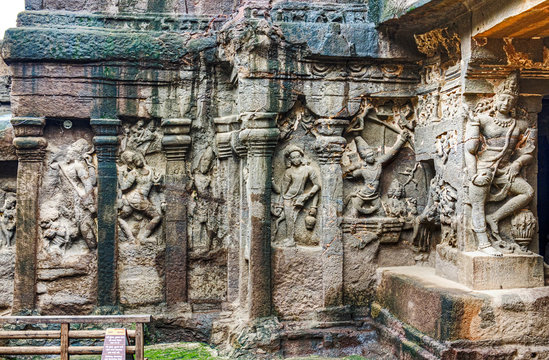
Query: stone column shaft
(260, 136)
(176, 142)
(229, 171)
(30, 146)
(106, 146)
(329, 146)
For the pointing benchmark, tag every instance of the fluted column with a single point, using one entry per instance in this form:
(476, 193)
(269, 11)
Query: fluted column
(30, 147)
(260, 136)
(228, 175)
(106, 146)
(329, 147)
(176, 143)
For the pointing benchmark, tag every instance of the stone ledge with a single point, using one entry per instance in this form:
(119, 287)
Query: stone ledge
(479, 271)
(448, 311)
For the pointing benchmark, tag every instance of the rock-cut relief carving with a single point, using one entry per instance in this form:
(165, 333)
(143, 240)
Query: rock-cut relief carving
(7, 220)
(202, 210)
(498, 146)
(140, 202)
(438, 214)
(366, 167)
(297, 193)
(64, 221)
(136, 180)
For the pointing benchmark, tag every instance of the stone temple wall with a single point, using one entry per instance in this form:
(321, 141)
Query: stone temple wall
(280, 177)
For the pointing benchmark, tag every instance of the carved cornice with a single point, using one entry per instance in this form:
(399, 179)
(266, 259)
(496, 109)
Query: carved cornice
(260, 133)
(176, 139)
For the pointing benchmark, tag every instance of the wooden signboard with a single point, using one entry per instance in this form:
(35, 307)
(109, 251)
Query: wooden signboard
(114, 347)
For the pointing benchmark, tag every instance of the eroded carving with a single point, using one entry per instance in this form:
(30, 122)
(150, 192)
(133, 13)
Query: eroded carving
(498, 146)
(367, 165)
(298, 192)
(136, 179)
(202, 210)
(65, 221)
(523, 228)
(7, 220)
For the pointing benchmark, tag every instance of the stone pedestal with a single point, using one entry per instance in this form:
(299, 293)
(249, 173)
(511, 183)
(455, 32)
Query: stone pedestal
(428, 317)
(479, 271)
(176, 142)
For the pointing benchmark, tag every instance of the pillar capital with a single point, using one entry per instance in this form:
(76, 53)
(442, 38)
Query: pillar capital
(105, 138)
(29, 143)
(329, 142)
(260, 133)
(176, 139)
(225, 127)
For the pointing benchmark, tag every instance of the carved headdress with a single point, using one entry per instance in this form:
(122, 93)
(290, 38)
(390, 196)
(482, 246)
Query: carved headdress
(509, 86)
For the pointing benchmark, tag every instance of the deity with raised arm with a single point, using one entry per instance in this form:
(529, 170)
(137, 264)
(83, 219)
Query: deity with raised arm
(498, 145)
(366, 200)
(136, 181)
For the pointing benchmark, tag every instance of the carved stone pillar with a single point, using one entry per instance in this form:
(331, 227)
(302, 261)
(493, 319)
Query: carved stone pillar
(260, 136)
(229, 177)
(106, 145)
(244, 239)
(329, 146)
(176, 142)
(30, 146)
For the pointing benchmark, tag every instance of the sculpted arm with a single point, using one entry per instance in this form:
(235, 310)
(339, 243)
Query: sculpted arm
(402, 138)
(472, 142)
(126, 180)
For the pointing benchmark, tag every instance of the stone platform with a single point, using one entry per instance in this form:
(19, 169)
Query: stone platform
(480, 271)
(433, 317)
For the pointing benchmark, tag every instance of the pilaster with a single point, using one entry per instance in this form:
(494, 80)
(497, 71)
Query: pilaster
(175, 142)
(260, 135)
(30, 147)
(106, 146)
(329, 147)
(229, 171)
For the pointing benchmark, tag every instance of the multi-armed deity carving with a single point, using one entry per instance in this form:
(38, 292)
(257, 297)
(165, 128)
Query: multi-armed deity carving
(66, 220)
(298, 193)
(498, 146)
(139, 204)
(7, 219)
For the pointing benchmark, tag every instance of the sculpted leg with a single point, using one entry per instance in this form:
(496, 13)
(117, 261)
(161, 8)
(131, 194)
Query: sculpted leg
(523, 194)
(478, 195)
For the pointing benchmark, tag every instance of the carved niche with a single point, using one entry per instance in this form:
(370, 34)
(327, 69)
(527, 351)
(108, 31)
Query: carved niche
(140, 176)
(296, 181)
(384, 187)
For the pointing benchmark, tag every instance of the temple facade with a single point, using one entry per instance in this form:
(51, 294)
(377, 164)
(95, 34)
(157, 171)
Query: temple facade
(283, 178)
